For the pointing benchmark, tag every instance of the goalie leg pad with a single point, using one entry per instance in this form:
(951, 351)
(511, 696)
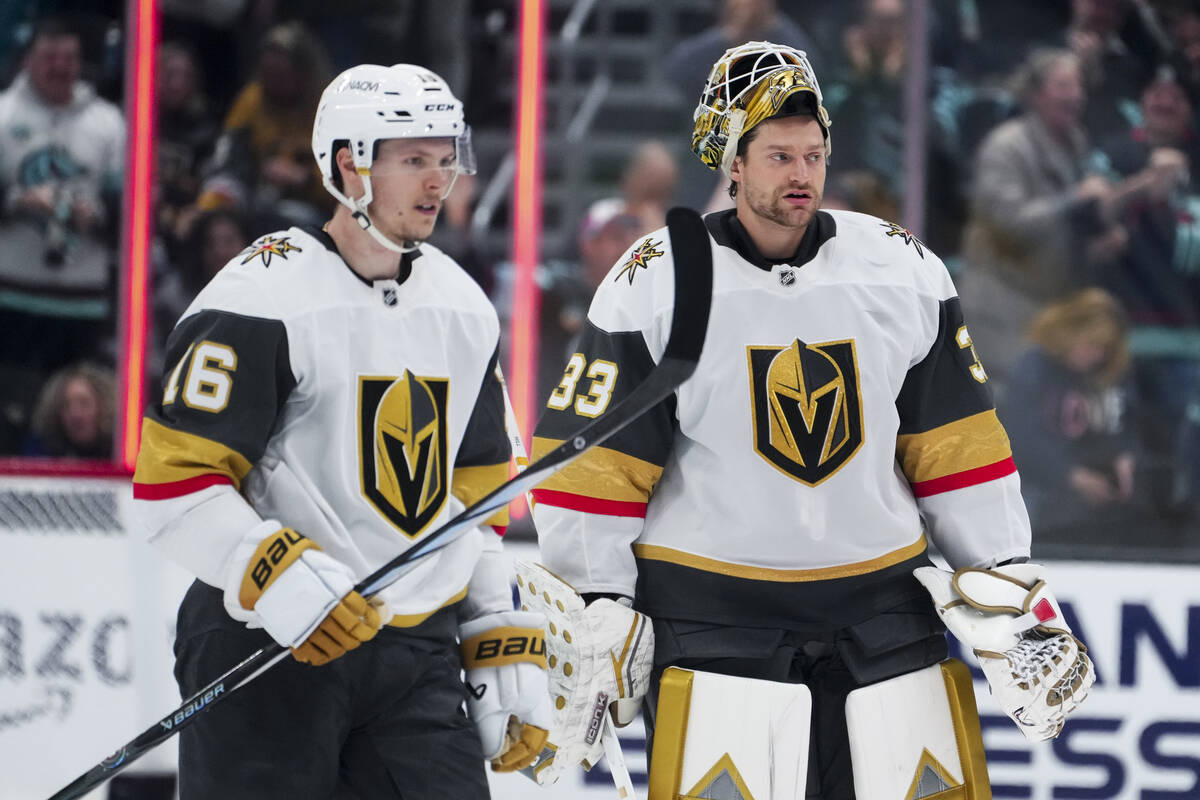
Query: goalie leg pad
(724, 736)
(918, 735)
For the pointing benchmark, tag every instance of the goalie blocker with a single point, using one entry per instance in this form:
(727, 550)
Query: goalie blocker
(912, 736)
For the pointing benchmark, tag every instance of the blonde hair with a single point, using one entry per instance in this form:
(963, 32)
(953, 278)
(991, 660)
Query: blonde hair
(1031, 75)
(1092, 316)
(46, 422)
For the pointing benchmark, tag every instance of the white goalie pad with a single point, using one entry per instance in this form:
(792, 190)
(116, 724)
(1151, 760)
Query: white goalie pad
(598, 656)
(917, 735)
(730, 738)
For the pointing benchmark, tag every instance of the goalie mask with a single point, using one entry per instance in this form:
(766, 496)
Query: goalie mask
(369, 103)
(748, 84)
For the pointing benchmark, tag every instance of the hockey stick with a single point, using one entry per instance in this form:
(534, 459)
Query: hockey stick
(689, 322)
(608, 733)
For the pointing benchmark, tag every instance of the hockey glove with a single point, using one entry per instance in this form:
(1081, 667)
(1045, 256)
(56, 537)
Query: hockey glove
(600, 656)
(302, 597)
(1036, 668)
(504, 655)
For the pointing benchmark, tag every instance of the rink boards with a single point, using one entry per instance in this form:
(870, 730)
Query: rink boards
(86, 624)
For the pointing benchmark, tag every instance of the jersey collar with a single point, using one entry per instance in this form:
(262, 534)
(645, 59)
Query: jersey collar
(406, 259)
(725, 228)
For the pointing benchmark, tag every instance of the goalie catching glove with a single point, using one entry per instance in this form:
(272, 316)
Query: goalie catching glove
(1036, 668)
(280, 580)
(600, 656)
(504, 655)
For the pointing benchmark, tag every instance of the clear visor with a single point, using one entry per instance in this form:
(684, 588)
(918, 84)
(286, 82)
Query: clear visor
(424, 157)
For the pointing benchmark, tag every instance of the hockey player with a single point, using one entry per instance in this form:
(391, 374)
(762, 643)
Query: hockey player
(769, 518)
(329, 399)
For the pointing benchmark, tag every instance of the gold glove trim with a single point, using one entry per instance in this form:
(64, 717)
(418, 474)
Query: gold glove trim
(524, 744)
(351, 622)
(499, 647)
(273, 555)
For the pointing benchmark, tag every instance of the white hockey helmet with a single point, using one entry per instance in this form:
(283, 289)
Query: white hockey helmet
(748, 84)
(369, 103)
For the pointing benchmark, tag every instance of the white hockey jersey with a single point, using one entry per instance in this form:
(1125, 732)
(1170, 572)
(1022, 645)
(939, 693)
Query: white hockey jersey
(362, 414)
(838, 414)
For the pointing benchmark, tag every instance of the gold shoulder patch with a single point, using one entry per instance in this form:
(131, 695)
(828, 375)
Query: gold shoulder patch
(905, 235)
(640, 257)
(269, 246)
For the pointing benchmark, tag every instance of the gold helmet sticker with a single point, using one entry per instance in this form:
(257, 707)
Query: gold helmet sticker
(403, 448)
(807, 407)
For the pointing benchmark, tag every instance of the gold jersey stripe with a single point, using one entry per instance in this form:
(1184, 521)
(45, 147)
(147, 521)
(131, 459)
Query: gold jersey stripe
(601, 473)
(410, 620)
(965, 444)
(470, 484)
(655, 552)
(168, 455)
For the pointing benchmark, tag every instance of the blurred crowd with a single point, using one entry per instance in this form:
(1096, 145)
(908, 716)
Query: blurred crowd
(1059, 139)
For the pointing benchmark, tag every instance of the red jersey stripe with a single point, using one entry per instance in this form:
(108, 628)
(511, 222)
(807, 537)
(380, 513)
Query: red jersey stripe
(166, 491)
(961, 480)
(589, 505)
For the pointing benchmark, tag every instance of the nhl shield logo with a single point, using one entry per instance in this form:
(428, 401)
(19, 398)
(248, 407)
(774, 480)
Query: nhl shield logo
(807, 407)
(402, 448)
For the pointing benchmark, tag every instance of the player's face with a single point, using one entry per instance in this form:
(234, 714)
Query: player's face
(781, 178)
(409, 180)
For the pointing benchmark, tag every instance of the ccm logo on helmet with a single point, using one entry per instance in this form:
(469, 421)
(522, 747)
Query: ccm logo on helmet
(440, 107)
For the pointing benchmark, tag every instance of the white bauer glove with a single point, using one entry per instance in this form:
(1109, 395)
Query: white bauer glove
(280, 580)
(504, 655)
(1036, 668)
(600, 657)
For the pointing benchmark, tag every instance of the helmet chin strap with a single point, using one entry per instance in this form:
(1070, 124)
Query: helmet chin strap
(358, 209)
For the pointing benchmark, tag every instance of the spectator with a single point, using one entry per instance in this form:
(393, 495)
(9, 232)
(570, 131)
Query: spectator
(220, 31)
(263, 159)
(861, 191)
(74, 414)
(1157, 278)
(215, 238)
(1118, 43)
(984, 42)
(648, 184)
(608, 229)
(61, 150)
(866, 91)
(1067, 415)
(1185, 40)
(1037, 220)
(186, 132)
(740, 21)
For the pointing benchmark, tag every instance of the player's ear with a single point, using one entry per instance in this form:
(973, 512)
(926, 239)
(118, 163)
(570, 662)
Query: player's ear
(344, 162)
(735, 169)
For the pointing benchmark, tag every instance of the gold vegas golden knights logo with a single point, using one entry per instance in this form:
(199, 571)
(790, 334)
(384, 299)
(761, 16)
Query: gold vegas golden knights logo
(402, 447)
(807, 407)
